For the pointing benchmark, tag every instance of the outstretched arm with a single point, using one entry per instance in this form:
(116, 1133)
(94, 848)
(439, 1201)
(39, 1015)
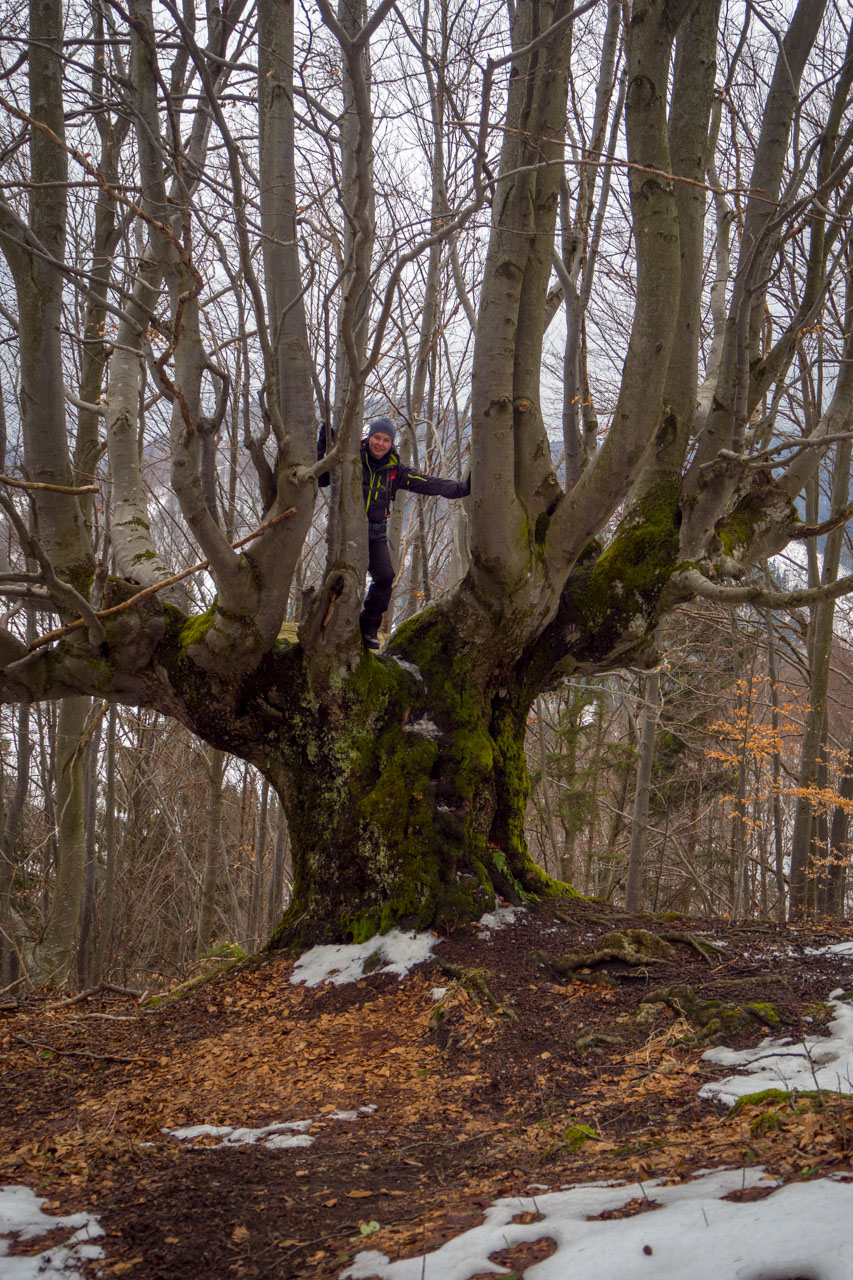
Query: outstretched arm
(417, 483)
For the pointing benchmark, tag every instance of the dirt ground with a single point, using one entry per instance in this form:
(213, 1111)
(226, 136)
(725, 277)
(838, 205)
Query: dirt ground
(531, 1072)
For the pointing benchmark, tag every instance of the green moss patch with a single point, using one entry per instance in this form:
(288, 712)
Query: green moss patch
(713, 1020)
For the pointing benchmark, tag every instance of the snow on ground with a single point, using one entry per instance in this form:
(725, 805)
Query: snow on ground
(688, 1229)
(499, 918)
(345, 963)
(22, 1220)
(400, 951)
(281, 1134)
(804, 1228)
(812, 1062)
(285, 1133)
(837, 949)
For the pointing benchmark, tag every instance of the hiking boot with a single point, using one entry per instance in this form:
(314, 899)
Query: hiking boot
(370, 639)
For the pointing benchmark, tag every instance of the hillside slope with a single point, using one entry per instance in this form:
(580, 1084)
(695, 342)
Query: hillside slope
(394, 1113)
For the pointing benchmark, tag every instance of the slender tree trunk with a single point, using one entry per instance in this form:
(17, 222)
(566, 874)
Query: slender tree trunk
(739, 859)
(761, 827)
(85, 947)
(8, 956)
(593, 824)
(105, 932)
(255, 896)
(692, 842)
(820, 652)
(275, 905)
(776, 760)
(570, 823)
(56, 951)
(839, 843)
(739, 825)
(608, 856)
(545, 788)
(819, 855)
(639, 829)
(10, 853)
(212, 851)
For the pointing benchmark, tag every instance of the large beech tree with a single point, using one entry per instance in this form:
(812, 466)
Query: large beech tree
(403, 774)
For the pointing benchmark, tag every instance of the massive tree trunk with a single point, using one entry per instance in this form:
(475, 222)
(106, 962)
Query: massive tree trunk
(406, 788)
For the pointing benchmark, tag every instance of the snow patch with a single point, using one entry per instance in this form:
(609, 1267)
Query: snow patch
(21, 1218)
(275, 1137)
(190, 1132)
(499, 918)
(689, 1231)
(837, 949)
(812, 1062)
(345, 962)
(285, 1133)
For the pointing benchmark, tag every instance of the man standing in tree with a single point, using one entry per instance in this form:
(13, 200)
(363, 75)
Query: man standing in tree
(382, 475)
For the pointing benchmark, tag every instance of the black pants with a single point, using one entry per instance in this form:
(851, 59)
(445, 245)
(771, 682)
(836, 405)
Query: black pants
(381, 572)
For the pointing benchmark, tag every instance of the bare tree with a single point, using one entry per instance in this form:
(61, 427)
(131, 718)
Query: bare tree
(404, 776)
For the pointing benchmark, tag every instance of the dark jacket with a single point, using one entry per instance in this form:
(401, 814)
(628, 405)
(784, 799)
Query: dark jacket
(382, 479)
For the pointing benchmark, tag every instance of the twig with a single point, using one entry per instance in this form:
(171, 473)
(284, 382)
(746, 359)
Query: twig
(107, 1017)
(81, 1053)
(12, 985)
(70, 489)
(94, 991)
(62, 592)
(707, 950)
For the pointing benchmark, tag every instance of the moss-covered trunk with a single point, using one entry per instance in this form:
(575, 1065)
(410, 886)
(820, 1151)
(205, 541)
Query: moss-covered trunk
(405, 789)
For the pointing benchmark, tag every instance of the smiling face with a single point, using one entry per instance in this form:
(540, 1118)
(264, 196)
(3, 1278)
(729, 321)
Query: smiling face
(379, 444)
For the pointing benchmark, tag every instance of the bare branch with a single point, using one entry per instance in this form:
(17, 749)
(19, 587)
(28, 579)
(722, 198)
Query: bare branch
(691, 582)
(155, 588)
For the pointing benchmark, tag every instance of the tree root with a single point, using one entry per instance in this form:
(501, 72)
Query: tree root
(474, 982)
(637, 947)
(633, 946)
(709, 951)
(714, 1020)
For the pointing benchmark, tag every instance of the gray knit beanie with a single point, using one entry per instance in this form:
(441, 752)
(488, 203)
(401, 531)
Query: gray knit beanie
(385, 425)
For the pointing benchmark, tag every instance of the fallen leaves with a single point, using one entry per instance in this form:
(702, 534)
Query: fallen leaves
(482, 1116)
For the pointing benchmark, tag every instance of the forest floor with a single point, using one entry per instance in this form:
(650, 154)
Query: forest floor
(423, 1109)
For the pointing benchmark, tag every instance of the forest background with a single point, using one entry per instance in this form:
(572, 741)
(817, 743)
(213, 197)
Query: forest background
(171, 336)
